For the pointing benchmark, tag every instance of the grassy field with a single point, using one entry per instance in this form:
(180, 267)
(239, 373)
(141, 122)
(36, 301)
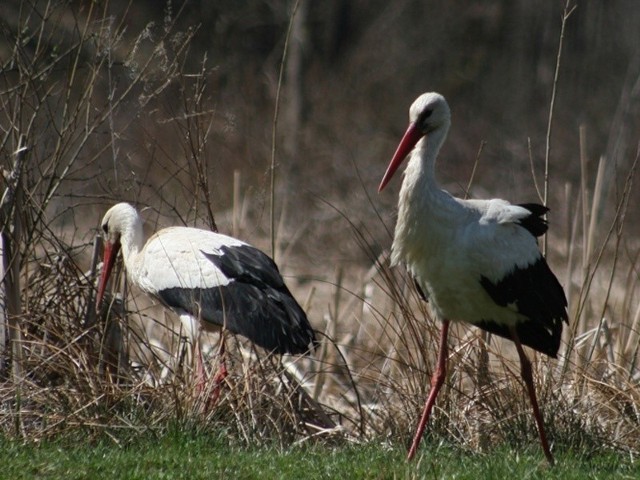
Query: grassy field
(181, 455)
(98, 108)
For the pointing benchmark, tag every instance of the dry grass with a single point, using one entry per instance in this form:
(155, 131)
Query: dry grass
(129, 370)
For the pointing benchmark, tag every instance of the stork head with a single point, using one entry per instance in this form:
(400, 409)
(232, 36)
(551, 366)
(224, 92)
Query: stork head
(429, 113)
(121, 219)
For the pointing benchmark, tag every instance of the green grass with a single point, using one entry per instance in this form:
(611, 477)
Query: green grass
(181, 455)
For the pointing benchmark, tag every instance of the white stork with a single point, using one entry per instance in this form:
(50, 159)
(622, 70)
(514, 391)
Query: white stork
(210, 279)
(475, 261)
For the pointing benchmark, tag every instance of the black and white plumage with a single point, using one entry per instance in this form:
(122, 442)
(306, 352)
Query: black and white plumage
(209, 278)
(476, 261)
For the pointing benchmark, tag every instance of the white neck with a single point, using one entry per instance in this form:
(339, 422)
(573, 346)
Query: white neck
(132, 241)
(419, 186)
(421, 200)
(420, 173)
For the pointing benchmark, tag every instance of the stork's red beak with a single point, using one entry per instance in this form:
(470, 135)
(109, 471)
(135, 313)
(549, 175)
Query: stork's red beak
(409, 140)
(110, 253)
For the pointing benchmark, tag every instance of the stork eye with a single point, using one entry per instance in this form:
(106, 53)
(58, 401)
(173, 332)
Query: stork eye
(105, 228)
(424, 116)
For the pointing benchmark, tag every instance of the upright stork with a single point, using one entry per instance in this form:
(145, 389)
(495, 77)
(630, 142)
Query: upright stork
(208, 279)
(475, 261)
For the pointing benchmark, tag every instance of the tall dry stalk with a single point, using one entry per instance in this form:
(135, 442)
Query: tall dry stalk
(568, 10)
(274, 132)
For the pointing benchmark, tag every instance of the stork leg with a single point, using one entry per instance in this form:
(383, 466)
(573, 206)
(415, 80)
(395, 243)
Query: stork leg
(220, 375)
(222, 354)
(527, 376)
(201, 374)
(436, 383)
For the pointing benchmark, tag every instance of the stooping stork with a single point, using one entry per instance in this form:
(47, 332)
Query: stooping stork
(475, 261)
(208, 279)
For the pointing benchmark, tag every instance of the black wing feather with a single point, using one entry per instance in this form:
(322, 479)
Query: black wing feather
(256, 303)
(534, 223)
(537, 294)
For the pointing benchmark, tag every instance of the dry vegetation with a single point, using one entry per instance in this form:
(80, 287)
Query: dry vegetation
(177, 114)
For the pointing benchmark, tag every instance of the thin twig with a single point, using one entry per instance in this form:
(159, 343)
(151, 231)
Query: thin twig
(533, 171)
(274, 131)
(475, 167)
(568, 10)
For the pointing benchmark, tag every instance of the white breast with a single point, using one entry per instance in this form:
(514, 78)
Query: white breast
(453, 243)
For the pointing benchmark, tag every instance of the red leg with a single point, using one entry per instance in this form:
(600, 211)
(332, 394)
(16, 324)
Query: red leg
(528, 380)
(222, 371)
(201, 374)
(436, 383)
(221, 375)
